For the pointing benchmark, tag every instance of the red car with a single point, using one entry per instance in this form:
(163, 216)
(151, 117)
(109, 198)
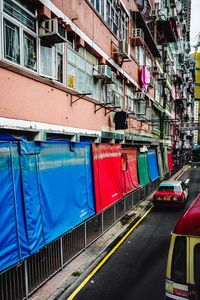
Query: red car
(171, 193)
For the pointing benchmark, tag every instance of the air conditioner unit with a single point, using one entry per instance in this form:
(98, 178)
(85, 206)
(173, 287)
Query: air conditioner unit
(102, 72)
(138, 34)
(139, 95)
(52, 31)
(124, 49)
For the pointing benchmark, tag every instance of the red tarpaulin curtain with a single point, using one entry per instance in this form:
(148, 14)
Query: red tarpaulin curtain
(170, 161)
(107, 165)
(129, 167)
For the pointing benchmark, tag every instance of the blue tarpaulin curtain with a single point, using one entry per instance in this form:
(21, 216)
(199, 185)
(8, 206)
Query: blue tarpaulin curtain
(59, 180)
(13, 238)
(46, 190)
(153, 165)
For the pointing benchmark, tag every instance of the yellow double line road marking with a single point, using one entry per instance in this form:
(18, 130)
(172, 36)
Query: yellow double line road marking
(102, 262)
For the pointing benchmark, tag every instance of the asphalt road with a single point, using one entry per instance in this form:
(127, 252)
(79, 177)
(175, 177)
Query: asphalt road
(136, 271)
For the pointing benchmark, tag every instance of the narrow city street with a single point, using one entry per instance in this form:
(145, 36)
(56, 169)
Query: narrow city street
(136, 271)
(99, 104)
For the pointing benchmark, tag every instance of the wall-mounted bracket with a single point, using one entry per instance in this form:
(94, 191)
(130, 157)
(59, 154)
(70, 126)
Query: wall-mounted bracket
(103, 105)
(108, 106)
(80, 96)
(111, 109)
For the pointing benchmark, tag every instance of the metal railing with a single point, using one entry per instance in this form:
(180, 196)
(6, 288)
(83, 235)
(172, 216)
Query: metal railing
(22, 280)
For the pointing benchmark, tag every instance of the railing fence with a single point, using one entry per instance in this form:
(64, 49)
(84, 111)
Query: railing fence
(22, 280)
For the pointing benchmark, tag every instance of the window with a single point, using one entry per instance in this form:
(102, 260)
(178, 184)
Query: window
(11, 42)
(51, 61)
(19, 33)
(79, 72)
(99, 6)
(114, 15)
(119, 93)
(173, 188)
(20, 14)
(148, 61)
(155, 120)
(140, 107)
(30, 59)
(178, 268)
(123, 25)
(139, 55)
(130, 103)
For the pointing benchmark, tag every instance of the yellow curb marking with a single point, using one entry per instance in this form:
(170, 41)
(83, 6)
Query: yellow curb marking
(77, 290)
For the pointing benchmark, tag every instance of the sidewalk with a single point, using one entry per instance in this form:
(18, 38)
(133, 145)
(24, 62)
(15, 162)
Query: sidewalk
(64, 282)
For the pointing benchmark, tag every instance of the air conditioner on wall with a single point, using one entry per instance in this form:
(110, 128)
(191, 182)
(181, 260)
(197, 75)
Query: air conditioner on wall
(138, 33)
(139, 95)
(52, 31)
(124, 49)
(102, 72)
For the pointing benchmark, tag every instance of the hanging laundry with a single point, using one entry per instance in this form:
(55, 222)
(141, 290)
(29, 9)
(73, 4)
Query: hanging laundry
(121, 120)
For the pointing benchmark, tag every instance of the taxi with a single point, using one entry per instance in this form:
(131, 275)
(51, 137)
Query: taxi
(171, 192)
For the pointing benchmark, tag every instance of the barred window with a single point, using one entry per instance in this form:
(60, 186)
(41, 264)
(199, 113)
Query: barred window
(19, 34)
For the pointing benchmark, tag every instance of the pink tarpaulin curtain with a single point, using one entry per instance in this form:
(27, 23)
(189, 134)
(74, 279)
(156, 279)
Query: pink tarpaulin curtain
(129, 167)
(107, 165)
(170, 161)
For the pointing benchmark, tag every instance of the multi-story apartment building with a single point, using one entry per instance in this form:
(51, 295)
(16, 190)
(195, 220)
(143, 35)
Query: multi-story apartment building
(98, 72)
(196, 63)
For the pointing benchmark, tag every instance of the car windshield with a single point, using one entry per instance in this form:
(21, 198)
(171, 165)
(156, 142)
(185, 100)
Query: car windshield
(173, 188)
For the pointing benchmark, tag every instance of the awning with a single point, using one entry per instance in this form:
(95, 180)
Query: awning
(140, 22)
